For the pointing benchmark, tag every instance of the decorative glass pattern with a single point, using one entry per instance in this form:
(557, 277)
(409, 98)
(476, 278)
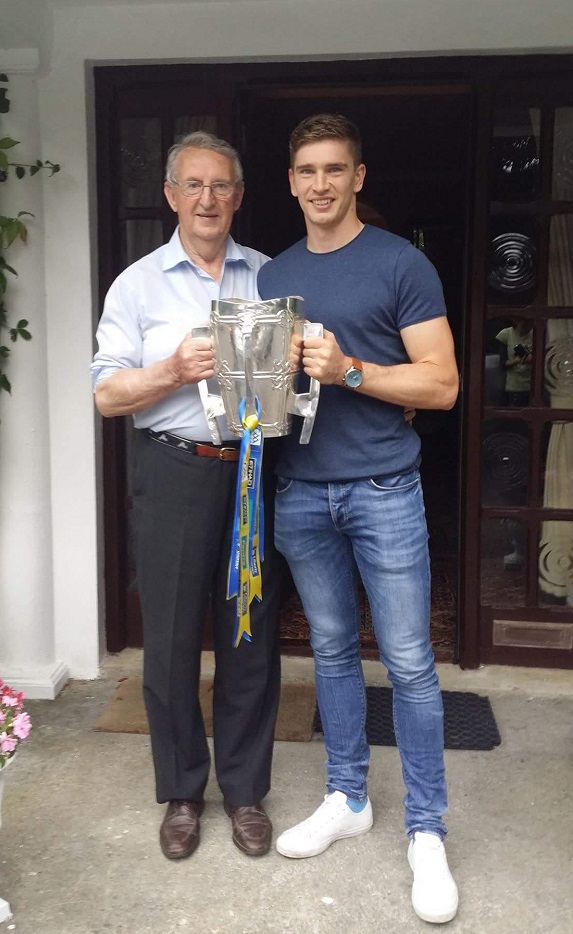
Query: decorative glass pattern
(557, 464)
(560, 282)
(556, 544)
(515, 154)
(556, 563)
(512, 260)
(559, 363)
(505, 462)
(563, 154)
(141, 162)
(503, 550)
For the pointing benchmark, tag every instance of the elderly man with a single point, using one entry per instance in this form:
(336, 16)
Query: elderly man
(148, 365)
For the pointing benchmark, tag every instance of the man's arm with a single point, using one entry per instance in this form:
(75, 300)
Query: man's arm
(429, 381)
(133, 389)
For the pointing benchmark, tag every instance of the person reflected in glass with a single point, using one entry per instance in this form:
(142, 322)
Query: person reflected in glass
(517, 341)
(517, 356)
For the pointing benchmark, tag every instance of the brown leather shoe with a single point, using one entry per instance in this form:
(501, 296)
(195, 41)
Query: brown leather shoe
(180, 831)
(252, 829)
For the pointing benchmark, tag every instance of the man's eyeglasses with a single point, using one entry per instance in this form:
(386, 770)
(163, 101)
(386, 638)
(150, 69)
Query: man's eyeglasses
(193, 188)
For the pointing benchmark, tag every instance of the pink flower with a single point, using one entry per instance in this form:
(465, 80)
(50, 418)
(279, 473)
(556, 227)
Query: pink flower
(15, 723)
(7, 743)
(22, 725)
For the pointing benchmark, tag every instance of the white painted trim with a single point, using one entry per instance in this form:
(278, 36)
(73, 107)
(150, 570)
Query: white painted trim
(19, 61)
(43, 683)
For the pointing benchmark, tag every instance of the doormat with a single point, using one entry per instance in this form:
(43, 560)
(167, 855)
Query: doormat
(469, 722)
(125, 712)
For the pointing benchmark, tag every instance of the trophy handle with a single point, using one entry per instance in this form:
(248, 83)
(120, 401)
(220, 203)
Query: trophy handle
(212, 404)
(306, 403)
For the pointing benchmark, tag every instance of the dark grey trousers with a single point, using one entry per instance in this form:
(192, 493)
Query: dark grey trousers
(183, 512)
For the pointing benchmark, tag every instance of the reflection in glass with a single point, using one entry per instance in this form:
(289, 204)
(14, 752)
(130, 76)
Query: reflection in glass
(556, 563)
(141, 169)
(494, 379)
(515, 343)
(503, 549)
(560, 284)
(515, 154)
(505, 463)
(508, 360)
(139, 238)
(563, 154)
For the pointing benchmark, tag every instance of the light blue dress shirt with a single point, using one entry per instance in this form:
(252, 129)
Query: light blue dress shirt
(150, 308)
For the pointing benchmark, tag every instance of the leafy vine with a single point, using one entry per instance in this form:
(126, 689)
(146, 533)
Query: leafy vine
(12, 229)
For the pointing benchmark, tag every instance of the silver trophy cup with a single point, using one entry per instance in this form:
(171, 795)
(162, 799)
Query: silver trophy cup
(257, 347)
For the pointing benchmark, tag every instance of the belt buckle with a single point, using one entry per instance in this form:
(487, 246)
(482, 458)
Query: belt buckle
(228, 454)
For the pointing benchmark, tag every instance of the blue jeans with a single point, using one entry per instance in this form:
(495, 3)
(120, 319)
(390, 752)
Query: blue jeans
(331, 534)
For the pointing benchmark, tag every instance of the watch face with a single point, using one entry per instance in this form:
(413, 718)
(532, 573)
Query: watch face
(353, 378)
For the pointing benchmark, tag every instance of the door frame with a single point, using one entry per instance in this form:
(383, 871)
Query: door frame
(227, 81)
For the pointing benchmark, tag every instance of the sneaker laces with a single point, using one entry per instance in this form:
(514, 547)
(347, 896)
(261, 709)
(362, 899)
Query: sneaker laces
(332, 807)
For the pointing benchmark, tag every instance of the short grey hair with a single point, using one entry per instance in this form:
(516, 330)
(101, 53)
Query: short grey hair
(200, 139)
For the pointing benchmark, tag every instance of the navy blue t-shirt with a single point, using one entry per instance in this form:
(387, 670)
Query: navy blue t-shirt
(365, 293)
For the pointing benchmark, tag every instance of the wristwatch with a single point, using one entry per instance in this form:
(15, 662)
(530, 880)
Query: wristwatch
(354, 375)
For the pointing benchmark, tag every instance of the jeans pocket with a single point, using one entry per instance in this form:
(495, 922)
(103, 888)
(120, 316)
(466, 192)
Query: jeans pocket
(284, 484)
(399, 483)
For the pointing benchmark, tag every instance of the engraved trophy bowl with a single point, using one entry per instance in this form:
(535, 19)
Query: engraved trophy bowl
(257, 348)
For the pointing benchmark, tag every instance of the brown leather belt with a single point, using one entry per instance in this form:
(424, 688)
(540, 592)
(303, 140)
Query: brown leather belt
(223, 453)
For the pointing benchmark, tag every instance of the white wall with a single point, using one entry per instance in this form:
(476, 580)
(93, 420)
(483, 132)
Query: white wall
(27, 631)
(191, 31)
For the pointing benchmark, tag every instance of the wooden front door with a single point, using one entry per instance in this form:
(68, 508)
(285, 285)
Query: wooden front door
(417, 151)
(471, 160)
(522, 323)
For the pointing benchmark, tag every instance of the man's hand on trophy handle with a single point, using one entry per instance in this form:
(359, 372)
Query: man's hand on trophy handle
(323, 359)
(194, 359)
(295, 353)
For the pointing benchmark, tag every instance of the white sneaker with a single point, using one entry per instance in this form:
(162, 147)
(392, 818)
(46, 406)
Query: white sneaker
(331, 821)
(434, 892)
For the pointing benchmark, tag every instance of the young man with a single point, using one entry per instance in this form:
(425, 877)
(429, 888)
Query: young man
(148, 365)
(349, 504)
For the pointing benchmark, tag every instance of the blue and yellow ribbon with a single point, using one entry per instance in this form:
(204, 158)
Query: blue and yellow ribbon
(247, 551)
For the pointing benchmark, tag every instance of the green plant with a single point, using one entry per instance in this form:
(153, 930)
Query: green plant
(12, 229)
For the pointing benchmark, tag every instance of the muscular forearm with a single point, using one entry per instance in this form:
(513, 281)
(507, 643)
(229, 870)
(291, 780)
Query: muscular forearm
(428, 381)
(134, 389)
(421, 385)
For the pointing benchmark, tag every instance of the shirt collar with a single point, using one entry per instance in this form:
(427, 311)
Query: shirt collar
(174, 254)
